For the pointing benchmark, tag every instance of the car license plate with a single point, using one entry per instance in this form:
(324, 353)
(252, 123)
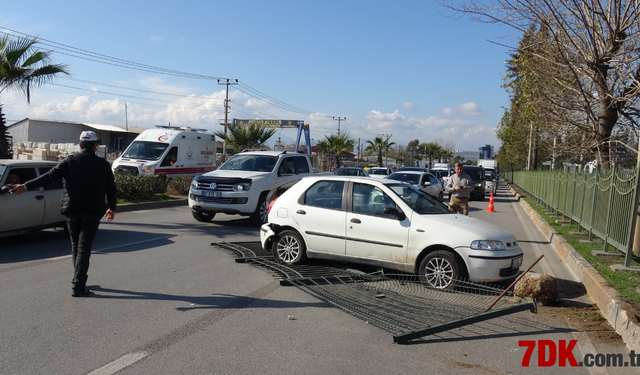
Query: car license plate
(213, 194)
(516, 262)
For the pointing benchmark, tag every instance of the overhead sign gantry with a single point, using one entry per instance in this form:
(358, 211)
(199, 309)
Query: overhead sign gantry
(283, 124)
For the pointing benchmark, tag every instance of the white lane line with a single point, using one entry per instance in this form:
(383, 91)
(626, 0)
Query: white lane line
(120, 363)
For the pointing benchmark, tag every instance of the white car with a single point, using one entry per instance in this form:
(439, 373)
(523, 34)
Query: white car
(32, 210)
(389, 224)
(424, 181)
(490, 183)
(379, 172)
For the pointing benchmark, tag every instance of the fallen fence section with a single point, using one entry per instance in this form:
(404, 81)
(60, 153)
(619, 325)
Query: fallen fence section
(398, 303)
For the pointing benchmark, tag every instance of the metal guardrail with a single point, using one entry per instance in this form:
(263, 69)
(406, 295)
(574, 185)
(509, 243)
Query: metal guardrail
(601, 203)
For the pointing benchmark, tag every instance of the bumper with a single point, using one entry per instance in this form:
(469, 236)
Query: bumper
(266, 235)
(234, 203)
(492, 266)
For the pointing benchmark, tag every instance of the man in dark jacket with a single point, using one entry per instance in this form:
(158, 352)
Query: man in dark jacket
(87, 179)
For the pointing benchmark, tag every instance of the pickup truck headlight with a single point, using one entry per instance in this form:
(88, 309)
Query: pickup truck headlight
(243, 186)
(194, 183)
(487, 245)
(478, 185)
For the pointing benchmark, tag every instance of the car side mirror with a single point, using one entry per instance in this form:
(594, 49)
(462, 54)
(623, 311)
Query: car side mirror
(394, 212)
(5, 189)
(427, 184)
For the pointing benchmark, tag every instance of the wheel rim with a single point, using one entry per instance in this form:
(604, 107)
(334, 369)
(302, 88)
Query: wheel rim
(264, 212)
(288, 249)
(439, 273)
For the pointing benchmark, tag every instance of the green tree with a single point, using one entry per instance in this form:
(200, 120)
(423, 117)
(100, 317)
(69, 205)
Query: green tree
(23, 66)
(336, 145)
(458, 159)
(241, 137)
(433, 151)
(379, 145)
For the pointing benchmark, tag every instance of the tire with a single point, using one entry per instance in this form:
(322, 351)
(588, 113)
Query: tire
(289, 248)
(260, 216)
(203, 216)
(439, 269)
(441, 197)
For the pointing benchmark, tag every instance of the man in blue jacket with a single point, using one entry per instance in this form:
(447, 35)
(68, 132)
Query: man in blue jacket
(87, 180)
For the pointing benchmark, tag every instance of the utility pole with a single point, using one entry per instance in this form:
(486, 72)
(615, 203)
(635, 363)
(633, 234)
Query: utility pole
(126, 117)
(226, 114)
(339, 119)
(359, 152)
(386, 149)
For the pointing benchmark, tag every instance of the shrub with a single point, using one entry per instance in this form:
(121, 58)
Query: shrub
(179, 185)
(132, 187)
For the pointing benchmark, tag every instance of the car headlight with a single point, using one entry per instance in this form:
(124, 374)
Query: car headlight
(147, 169)
(243, 186)
(487, 245)
(478, 185)
(194, 183)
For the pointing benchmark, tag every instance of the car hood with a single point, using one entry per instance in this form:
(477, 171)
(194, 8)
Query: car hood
(238, 174)
(461, 229)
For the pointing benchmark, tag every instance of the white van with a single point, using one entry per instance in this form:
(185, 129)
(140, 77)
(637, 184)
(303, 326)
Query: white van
(169, 150)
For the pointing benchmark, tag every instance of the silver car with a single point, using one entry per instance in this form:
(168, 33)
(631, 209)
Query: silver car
(423, 181)
(33, 210)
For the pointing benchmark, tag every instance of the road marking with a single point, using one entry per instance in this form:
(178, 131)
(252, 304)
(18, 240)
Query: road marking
(120, 363)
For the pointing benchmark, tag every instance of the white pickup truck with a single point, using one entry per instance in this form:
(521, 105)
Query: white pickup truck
(240, 186)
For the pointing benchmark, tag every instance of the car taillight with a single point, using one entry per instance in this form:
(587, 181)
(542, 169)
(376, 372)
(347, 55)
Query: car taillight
(271, 205)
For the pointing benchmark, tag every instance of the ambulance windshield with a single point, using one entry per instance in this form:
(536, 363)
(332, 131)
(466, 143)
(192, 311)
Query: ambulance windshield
(145, 150)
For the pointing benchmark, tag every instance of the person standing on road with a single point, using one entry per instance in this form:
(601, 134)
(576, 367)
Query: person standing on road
(459, 188)
(87, 180)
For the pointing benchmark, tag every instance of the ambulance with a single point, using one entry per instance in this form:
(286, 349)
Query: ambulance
(169, 150)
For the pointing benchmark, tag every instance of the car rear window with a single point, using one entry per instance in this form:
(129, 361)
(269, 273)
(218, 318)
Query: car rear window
(405, 177)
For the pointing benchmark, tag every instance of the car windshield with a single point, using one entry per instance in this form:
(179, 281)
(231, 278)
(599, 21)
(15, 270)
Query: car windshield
(411, 178)
(475, 174)
(348, 172)
(415, 169)
(419, 201)
(145, 150)
(378, 171)
(254, 163)
(488, 177)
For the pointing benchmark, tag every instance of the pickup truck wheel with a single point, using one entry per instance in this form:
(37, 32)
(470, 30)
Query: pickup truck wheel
(262, 210)
(440, 269)
(202, 216)
(289, 248)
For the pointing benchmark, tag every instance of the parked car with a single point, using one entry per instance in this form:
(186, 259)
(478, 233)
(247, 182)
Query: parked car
(389, 224)
(33, 210)
(351, 171)
(477, 181)
(424, 181)
(490, 183)
(379, 172)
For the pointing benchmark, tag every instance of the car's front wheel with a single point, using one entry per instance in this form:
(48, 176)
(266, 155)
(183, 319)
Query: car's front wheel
(203, 216)
(439, 269)
(289, 248)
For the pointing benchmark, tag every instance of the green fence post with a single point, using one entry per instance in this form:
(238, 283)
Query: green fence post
(634, 213)
(607, 224)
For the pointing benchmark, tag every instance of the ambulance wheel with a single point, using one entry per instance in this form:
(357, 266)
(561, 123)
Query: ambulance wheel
(203, 216)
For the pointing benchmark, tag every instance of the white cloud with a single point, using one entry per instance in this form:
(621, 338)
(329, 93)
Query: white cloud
(466, 109)
(407, 106)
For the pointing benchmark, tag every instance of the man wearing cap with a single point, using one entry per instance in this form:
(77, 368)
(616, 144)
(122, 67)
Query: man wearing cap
(87, 180)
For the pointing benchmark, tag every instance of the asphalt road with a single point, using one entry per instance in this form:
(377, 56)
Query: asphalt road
(166, 302)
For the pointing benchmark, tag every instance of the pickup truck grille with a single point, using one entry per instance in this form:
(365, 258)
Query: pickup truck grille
(202, 185)
(222, 184)
(214, 200)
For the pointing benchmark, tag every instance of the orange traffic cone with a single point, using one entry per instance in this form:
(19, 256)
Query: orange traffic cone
(490, 209)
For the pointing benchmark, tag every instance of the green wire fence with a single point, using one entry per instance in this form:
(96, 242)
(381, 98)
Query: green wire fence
(600, 203)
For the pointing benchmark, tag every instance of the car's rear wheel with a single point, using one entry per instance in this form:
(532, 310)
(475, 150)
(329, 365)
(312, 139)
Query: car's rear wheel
(289, 248)
(203, 216)
(440, 269)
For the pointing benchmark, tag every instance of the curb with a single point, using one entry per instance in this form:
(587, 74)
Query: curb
(598, 289)
(151, 205)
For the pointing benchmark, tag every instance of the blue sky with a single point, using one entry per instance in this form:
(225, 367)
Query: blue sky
(390, 67)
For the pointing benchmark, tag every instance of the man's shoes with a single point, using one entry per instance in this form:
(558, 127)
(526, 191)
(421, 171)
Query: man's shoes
(80, 292)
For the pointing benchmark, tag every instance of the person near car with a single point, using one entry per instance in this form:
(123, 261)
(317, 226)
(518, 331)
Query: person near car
(12, 178)
(87, 180)
(459, 188)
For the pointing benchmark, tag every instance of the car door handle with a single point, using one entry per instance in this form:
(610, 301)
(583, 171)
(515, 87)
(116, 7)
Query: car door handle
(357, 221)
(39, 197)
(301, 212)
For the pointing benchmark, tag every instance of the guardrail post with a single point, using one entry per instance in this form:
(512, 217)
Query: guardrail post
(609, 210)
(634, 213)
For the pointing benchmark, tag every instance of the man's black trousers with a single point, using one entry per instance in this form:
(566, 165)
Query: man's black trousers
(82, 231)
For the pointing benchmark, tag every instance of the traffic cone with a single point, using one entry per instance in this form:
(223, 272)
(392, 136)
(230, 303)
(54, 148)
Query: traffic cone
(490, 209)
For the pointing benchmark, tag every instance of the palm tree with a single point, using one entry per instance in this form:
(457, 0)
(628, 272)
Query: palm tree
(336, 144)
(241, 137)
(22, 66)
(379, 145)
